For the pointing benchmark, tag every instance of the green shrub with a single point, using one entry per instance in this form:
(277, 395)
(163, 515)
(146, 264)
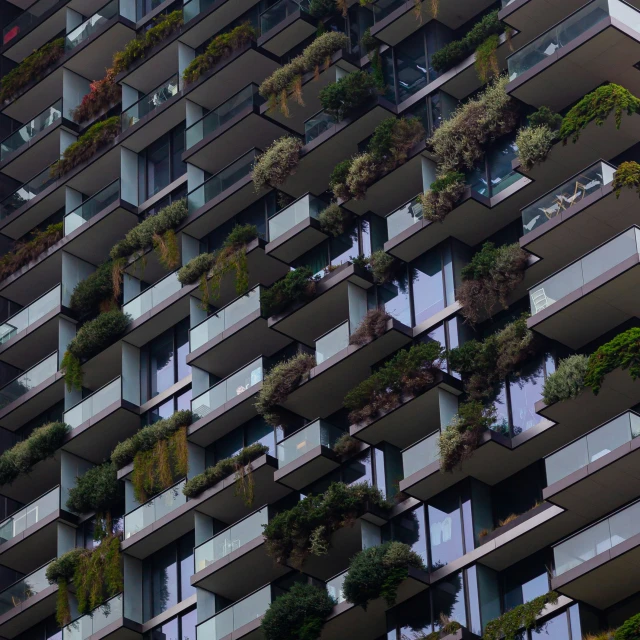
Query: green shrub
(102, 95)
(25, 252)
(486, 64)
(23, 456)
(305, 529)
(510, 624)
(97, 490)
(280, 382)
(377, 572)
(534, 144)
(627, 176)
(277, 163)
(334, 220)
(346, 445)
(629, 630)
(342, 98)
(196, 268)
(545, 117)
(567, 381)
(297, 286)
(298, 614)
(372, 326)
(338, 179)
(94, 293)
(443, 195)
(384, 267)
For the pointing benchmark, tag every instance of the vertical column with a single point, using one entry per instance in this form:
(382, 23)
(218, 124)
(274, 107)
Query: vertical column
(129, 176)
(429, 170)
(74, 88)
(72, 200)
(185, 55)
(130, 373)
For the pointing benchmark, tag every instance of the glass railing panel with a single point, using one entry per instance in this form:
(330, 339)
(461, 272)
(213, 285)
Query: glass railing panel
(26, 317)
(227, 389)
(22, 590)
(25, 133)
(224, 318)
(403, 217)
(151, 101)
(584, 270)
(29, 380)
(231, 539)
(91, 26)
(333, 342)
(421, 455)
(154, 509)
(33, 513)
(306, 207)
(26, 192)
(383, 8)
(25, 21)
(219, 116)
(221, 181)
(302, 441)
(317, 125)
(558, 37)
(278, 12)
(506, 3)
(153, 296)
(335, 587)
(94, 404)
(567, 195)
(91, 207)
(594, 445)
(100, 618)
(194, 8)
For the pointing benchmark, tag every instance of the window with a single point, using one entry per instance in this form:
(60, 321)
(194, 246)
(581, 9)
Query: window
(163, 361)
(175, 195)
(182, 627)
(494, 173)
(526, 580)
(47, 629)
(179, 402)
(256, 430)
(166, 575)
(409, 527)
(449, 519)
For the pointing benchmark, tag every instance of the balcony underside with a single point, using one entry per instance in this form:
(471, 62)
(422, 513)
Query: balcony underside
(36, 97)
(605, 53)
(96, 173)
(296, 241)
(289, 33)
(29, 612)
(149, 72)
(308, 468)
(44, 475)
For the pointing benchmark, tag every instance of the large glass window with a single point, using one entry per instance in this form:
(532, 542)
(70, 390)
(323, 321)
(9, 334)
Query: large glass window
(446, 526)
(179, 402)
(526, 580)
(494, 173)
(255, 430)
(182, 627)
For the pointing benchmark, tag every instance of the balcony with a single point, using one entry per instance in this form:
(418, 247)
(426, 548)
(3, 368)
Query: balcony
(295, 229)
(284, 25)
(106, 620)
(32, 145)
(26, 602)
(590, 296)
(307, 455)
(156, 98)
(599, 42)
(594, 474)
(234, 334)
(100, 421)
(597, 564)
(28, 381)
(234, 562)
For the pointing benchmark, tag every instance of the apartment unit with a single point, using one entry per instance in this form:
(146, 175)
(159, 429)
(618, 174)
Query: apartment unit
(319, 319)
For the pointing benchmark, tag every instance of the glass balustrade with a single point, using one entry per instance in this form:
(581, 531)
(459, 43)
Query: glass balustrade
(335, 587)
(91, 26)
(26, 20)
(303, 208)
(332, 342)
(96, 621)
(585, 270)
(317, 125)
(29, 190)
(91, 207)
(29, 315)
(594, 445)
(304, 440)
(421, 454)
(152, 296)
(23, 589)
(567, 31)
(221, 181)
(567, 195)
(228, 388)
(383, 8)
(148, 103)
(28, 131)
(154, 509)
(224, 318)
(28, 380)
(506, 3)
(231, 539)
(33, 513)
(219, 116)
(237, 615)
(403, 217)
(278, 12)
(94, 404)
(597, 539)
(194, 8)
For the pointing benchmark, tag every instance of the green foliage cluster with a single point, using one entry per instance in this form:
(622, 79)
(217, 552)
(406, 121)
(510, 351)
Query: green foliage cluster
(629, 630)
(509, 625)
(487, 59)
(342, 98)
(567, 381)
(94, 294)
(97, 490)
(281, 381)
(409, 372)
(373, 325)
(96, 137)
(277, 163)
(26, 251)
(23, 456)
(596, 107)
(334, 219)
(196, 268)
(33, 67)
(534, 144)
(92, 338)
(545, 117)
(298, 614)
(297, 286)
(290, 533)
(378, 571)
(240, 464)
(443, 194)
(627, 176)
(346, 445)
(219, 49)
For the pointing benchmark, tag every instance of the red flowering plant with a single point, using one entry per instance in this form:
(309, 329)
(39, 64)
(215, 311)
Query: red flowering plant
(102, 94)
